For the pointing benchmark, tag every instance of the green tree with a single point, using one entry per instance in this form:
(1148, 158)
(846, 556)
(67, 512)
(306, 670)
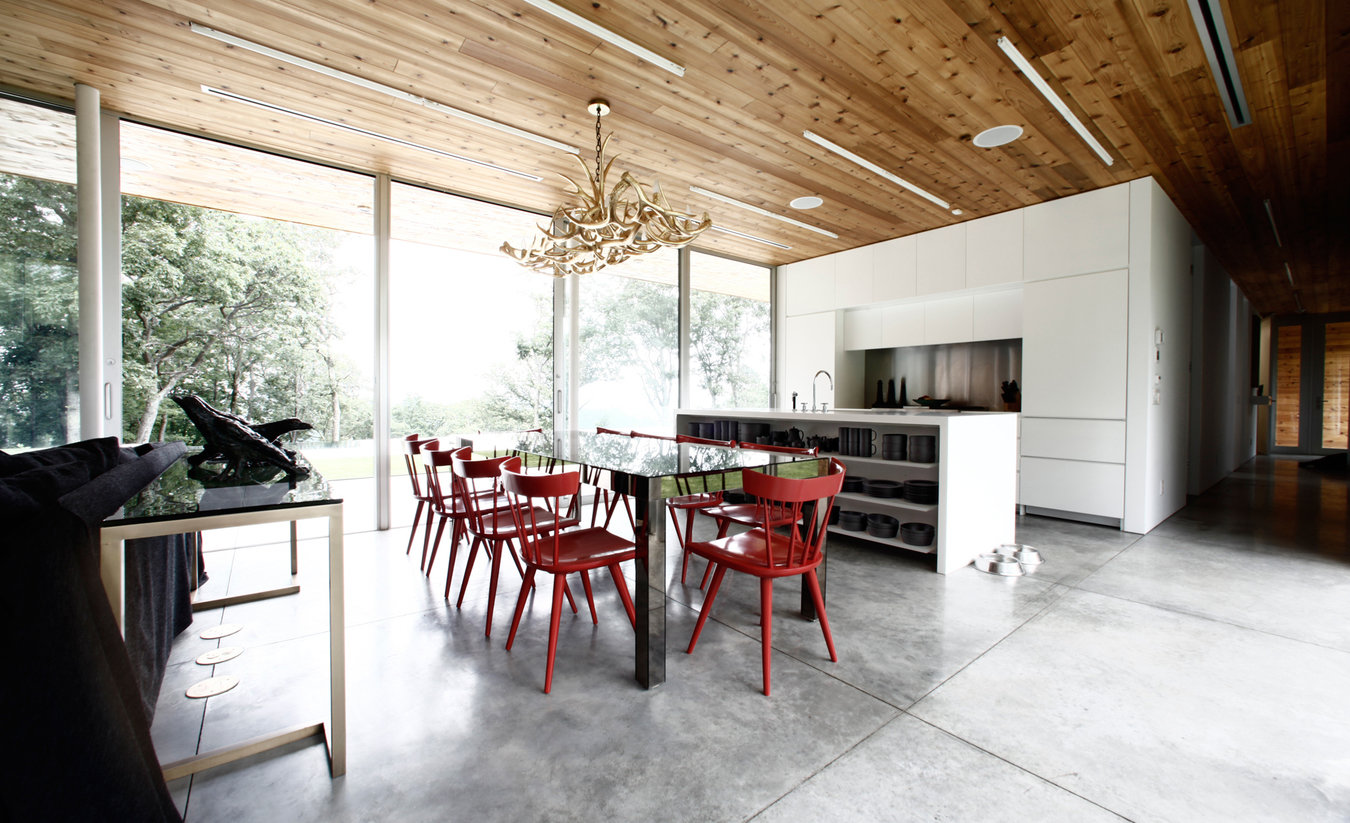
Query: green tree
(222, 305)
(719, 328)
(39, 301)
(632, 325)
(522, 394)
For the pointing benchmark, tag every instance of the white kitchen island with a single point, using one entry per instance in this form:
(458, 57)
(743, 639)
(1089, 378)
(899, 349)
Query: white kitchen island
(976, 471)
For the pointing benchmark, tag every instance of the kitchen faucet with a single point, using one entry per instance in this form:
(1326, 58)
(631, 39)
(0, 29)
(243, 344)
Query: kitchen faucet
(813, 388)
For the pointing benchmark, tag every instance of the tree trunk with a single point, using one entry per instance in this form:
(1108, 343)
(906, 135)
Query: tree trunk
(337, 418)
(150, 412)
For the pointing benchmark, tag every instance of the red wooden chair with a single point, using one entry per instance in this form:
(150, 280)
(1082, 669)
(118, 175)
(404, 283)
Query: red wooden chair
(746, 514)
(447, 505)
(604, 497)
(413, 445)
(490, 520)
(689, 501)
(535, 501)
(769, 554)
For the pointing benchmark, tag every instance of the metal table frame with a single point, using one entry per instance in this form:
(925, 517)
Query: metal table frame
(334, 732)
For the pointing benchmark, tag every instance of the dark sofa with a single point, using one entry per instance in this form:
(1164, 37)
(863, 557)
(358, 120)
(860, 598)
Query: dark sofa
(76, 708)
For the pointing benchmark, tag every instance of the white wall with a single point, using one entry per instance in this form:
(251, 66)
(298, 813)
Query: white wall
(1223, 420)
(1158, 379)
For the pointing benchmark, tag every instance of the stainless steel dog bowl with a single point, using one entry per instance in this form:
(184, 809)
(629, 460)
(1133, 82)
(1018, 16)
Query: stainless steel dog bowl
(999, 564)
(1028, 556)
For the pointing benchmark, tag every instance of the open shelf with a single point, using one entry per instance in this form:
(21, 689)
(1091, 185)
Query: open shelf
(885, 502)
(885, 541)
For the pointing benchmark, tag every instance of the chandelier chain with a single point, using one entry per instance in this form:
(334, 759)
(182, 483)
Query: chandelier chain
(598, 147)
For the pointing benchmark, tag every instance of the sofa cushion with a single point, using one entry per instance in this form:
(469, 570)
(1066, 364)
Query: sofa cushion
(99, 454)
(36, 488)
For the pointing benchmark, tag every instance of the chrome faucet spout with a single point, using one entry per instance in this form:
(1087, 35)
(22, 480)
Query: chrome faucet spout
(813, 387)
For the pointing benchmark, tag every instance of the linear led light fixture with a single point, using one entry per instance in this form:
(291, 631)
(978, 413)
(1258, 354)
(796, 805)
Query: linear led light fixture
(757, 210)
(549, 7)
(1270, 214)
(1029, 72)
(1209, 24)
(329, 71)
(874, 168)
(749, 237)
(239, 98)
(1289, 274)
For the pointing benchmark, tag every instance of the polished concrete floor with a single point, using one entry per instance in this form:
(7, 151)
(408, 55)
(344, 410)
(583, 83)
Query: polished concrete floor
(1198, 673)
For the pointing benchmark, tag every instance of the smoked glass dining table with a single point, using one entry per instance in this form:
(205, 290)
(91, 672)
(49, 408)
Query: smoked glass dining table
(646, 469)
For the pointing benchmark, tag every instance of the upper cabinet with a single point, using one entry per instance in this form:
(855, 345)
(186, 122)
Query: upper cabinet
(808, 286)
(895, 269)
(994, 250)
(942, 259)
(1078, 235)
(853, 277)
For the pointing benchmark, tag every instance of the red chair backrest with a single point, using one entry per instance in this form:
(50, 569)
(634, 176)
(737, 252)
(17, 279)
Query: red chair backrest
(770, 447)
(477, 483)
(781, 499)
(533, 495)
(603, 430)
(651, 436)
(414, 445)
(704, 441)
(436, 459)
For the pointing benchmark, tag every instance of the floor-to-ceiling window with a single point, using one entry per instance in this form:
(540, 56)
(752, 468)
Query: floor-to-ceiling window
(729, 333)
(39, 283)
(471, 331)
(247, 280)
(1312, 384)
(630, 345)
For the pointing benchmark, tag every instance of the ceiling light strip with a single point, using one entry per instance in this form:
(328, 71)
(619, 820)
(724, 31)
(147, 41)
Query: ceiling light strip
(1270, 214)
(1213, 30)
(1053, 99)
(608, 36)
(757, 210)
(329, 71)
(874, 168)
(735, 233)
(239, 98)
(1289, 273)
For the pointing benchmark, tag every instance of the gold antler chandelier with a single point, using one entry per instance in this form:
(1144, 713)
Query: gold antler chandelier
(607, 229)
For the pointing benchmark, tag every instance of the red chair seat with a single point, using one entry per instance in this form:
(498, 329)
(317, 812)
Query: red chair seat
(749, 553)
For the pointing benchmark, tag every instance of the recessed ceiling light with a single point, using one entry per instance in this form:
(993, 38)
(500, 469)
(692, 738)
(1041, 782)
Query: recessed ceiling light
(997, 136)
(957, 212)
(764, 212)
(132, 164)
(806, 201)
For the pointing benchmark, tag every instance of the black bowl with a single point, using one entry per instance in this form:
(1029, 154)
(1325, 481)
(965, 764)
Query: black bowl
(853, 483)
(852, 521)
(882, 525)
(917, 534)
(884, 488)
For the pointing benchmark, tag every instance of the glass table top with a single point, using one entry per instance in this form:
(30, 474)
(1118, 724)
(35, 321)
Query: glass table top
(639, 456)
(184, 491)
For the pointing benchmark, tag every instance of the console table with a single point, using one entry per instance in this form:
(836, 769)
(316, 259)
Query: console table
(177, 502)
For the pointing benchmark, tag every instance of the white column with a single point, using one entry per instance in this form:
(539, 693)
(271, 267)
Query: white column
(382, 405)
(89, 252)
(111, 195)
(684, 400)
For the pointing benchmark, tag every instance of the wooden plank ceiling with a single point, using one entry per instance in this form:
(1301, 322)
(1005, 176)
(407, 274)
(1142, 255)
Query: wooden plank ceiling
(906, 86)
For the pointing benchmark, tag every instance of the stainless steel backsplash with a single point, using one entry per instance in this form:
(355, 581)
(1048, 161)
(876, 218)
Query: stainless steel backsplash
(970, 374)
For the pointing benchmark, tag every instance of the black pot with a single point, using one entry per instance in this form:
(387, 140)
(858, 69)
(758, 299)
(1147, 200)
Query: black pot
(853, 483)
(923, 448)
(883, 488)
(882, 525)
(893, 446)
(917, 534)
(921, 491)
(852, 521)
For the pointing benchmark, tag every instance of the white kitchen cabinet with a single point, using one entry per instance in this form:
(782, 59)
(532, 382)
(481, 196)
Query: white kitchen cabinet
(895, 269)
(808, 286)
(1085, 233)
(1096, 489)
(942, 260)
(853, 277)
(997, 315)
(862, 329)
(1099, 441)
(902, 325)
(994, 250)
(949, 320)
(809, 347)
(1074, 344)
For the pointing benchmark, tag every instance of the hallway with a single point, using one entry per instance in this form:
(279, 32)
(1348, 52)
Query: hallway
(1196, 673)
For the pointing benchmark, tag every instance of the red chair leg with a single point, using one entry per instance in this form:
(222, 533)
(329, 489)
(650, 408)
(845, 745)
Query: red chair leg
(455, 534)
(707, 607)
(616, 572)
(567, 592)
(590, 598)
(516, 558)
(417, 518)
(492, 588)
(813, 583)
(553, 618)
(520, 606)
(766, 619)
(468, 568)
(706, 573)
(435, 547)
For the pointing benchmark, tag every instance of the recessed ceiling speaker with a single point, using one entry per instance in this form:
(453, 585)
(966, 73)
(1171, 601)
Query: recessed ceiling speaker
(997, 136)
